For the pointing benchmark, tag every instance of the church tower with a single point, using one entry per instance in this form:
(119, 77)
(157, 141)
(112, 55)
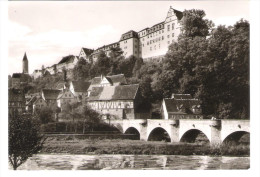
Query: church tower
(25, 64)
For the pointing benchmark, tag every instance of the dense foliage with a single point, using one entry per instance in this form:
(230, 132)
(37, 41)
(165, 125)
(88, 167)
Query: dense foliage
(24, 139)
(210, 63)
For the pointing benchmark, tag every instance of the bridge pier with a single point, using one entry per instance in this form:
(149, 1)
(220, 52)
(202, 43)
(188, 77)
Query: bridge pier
(215, 132)
(174, 133)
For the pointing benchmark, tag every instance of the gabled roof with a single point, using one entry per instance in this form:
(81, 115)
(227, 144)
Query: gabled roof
(67, 59)
(17, 75)
(22, 76)
(80, 86)
(120, 92)
(50, 94)
(178, 14)
(120, 78)
(87, 51)
(16, 95)
(180, 106)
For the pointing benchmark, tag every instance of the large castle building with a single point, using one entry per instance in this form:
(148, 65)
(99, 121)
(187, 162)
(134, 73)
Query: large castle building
(148, 43)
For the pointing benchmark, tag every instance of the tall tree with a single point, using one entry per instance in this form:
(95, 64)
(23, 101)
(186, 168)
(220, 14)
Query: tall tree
(194, 24)
(81, 70)
(24, 139)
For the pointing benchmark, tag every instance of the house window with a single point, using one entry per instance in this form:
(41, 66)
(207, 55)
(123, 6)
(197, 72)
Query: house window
(162, 38)
(151, 48)
(172, 26)
(168, 27)
(172, 34)
(168, 42)
(168, 36)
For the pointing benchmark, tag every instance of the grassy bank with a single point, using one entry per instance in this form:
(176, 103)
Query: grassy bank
(114, 146)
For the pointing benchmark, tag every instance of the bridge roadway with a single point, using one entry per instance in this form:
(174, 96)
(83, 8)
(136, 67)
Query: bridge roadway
(215, 130)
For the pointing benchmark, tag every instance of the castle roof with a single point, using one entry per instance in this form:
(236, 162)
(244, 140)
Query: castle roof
(120, 92)
(128, 35)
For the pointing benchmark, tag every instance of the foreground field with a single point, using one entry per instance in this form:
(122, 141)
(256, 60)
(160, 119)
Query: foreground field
(73, 145)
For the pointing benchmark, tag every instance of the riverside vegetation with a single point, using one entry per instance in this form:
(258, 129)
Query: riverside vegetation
(72, 145)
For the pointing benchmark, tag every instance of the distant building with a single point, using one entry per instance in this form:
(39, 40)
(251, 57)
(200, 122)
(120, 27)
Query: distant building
(102, 81)
(21, 78)
(85, 53)
(66, 97)
(35, 102)
(25, 64)
(120, 102)
(80, 90)
(51, 97)
(149, 43)
(16, 102)
(66, 63)
(181, 106)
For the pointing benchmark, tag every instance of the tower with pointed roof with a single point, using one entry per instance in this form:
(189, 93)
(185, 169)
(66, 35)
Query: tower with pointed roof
(25, 64)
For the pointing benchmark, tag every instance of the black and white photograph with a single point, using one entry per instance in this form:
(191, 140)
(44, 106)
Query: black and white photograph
(129, 85)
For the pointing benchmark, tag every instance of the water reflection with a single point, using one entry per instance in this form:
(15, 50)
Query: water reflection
(109, 162)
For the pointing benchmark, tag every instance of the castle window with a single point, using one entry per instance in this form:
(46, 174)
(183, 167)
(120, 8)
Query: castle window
(162, 37)
(168, 42)
(172, 26)
(168, 27)
(168, 36)
(172, 34)
(151, 48)
(162, 31)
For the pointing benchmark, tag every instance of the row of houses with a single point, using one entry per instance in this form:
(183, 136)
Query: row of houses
(110, 96)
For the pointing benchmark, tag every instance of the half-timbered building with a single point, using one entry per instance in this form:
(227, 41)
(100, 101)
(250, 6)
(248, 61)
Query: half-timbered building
(119, 102)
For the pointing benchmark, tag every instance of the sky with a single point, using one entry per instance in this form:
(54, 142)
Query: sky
(50, 30)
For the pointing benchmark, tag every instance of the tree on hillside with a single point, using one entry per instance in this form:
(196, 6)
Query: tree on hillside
(81, 70)
(194, 24)
(126, 66)
(102, 65)
(24, 139)
(115, 56)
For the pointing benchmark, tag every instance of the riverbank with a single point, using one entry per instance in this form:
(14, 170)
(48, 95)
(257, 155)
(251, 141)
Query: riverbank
(72, 145)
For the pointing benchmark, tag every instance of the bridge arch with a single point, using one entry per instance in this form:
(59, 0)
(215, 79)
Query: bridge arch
(159, 134)
(194, 135)
(236, 136)
(132, 130)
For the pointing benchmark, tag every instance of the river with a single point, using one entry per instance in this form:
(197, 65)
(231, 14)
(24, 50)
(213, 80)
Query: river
(136, 162)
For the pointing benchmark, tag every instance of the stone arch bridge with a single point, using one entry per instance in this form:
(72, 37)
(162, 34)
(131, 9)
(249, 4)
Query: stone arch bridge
(216, 131)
